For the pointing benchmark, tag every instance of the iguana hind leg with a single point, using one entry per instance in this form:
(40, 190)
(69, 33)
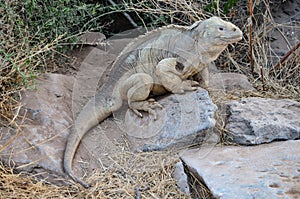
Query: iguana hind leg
(172, 78)
(138, 87)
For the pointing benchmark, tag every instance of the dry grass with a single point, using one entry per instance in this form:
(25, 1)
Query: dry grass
(21, 60)
(272, 76)
(15, 185)
(142, 175)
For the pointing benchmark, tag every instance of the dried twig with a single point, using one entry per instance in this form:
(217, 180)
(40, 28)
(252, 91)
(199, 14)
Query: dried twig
(279, 64)
(250, 36)
(262, 78)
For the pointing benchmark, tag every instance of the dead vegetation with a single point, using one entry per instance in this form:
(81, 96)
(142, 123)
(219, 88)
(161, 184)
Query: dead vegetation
(145, 175)
(141, 175)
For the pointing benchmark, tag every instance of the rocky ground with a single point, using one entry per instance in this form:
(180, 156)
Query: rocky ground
(257, 171)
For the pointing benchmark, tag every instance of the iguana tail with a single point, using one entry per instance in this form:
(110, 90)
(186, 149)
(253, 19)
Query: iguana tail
(95, 111)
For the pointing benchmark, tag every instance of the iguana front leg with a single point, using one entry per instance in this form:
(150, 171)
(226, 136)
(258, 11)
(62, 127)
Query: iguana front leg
(138, 86)
(172, 79)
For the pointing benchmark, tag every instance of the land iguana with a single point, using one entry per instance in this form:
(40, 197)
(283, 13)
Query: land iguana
(162, 60)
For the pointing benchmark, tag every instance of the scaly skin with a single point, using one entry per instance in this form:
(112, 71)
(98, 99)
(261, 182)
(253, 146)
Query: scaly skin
(160, 61)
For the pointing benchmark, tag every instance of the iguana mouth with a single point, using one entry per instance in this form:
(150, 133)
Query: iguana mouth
(231, 38)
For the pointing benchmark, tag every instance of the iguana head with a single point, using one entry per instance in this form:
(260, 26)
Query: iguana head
(216, 31)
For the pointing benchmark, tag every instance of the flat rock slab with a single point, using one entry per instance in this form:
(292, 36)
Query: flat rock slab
(234, 172)
(261, 120)
(178, 123)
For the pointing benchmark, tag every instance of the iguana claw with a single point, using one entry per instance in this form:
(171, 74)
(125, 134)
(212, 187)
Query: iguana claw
(147, 106)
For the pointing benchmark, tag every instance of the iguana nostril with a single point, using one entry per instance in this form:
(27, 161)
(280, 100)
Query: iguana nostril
(234, 29)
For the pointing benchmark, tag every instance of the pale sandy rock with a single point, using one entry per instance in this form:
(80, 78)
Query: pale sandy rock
(264, 171)
(50, 109)
(42, 140)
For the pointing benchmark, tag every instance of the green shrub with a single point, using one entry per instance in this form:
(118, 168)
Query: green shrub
(31, 33)
(224, 6)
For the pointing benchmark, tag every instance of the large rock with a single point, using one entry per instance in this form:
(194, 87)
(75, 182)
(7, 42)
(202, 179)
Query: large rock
(50, 110)
(261, 120)
(178, 123)
(41, 140)
(265, 171)
(40, 144)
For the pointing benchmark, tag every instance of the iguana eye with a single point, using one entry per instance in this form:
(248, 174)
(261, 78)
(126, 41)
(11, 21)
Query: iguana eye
(221, 29)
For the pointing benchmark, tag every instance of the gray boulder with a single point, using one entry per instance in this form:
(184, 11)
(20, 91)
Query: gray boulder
(261, 120)
(229, 82)
(178, 123)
